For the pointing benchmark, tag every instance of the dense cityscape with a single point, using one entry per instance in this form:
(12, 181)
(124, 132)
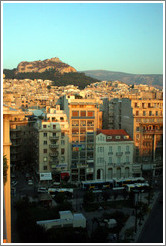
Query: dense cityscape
(83, 100)
(76, 151)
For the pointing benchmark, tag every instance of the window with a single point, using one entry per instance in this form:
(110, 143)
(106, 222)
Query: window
(127, 148)
(90, 113)
(126, 137)
(137, 113)
(110, 159)
(44, 126)
(45, 159)
(117, 137)
(62, 142)
(119, 148)
(118, 160)
(45, 142)
(127, 159)
(62, 151)
(144, 113)
(83, 113)
(54, 126)
(54, 134)
(45, 168)
(75, 113)
(44, 151)
(45, 134)
(109, 137)
(101, 149)
(156, 113)
(110, 148)
(137, 128)
(62, 134)
(150, 113)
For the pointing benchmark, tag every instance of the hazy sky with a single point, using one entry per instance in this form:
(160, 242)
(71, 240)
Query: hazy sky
(125, 37)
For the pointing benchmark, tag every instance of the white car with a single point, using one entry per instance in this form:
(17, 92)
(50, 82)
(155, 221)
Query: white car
(30, 182)
(13, 183)
(42, 190)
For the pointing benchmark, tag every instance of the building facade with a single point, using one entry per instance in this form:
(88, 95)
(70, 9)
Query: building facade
(84, 117)
(53, 143)
(114, 155)
(143, 120)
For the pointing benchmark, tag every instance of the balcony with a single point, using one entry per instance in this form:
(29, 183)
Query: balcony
(53, 146)
(110, 164)
(54, 138)
(51, 162)
(127, 152)
(119, 153)
(55, 154)
(110, 153)
(15, 130)
(53, 166)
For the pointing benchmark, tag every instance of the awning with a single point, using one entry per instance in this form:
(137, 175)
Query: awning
(64, 175)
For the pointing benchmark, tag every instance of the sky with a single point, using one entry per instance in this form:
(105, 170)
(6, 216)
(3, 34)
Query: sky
(123, 37)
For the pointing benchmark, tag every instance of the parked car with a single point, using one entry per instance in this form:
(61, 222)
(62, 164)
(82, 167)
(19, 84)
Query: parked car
(13, 183)
(30, 182)
(42, 190)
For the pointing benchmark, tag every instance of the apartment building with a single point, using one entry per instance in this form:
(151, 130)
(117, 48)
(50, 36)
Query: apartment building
(84, 117)
(143, 120)
(53, 143)
(114, 155)
(24, 141)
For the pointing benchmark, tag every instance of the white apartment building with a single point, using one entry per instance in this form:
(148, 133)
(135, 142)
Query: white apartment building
(114, 154)
(53, 143)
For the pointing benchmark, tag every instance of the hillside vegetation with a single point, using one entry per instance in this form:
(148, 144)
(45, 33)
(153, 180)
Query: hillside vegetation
(73, 78)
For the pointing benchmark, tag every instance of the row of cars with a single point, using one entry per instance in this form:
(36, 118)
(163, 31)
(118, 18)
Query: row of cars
(29, 179)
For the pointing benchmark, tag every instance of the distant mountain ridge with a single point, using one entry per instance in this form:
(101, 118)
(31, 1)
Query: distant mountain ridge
(155, 80)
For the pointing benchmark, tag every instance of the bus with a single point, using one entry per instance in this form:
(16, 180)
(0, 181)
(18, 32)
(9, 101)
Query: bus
(141, 187)
(124, 182)
(67, 191)
(114, 184)
(96, 185)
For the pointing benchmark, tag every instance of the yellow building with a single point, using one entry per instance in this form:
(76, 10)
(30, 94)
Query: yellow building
(143, 120)
(6, 152)
(84, 118)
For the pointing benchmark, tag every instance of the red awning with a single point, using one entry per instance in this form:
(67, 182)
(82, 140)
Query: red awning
(63, 175)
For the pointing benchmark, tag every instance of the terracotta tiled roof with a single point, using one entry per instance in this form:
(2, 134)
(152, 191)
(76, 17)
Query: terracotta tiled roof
(114, 133)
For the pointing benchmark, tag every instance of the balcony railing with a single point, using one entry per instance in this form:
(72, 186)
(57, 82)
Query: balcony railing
(119, 153)
(15, 130)
(127, 152)
(54, 162)
(54, 137)
(110, 153)
(54, 154)
(53, 146)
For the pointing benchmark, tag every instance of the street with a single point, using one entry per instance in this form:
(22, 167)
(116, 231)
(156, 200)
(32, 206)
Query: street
(153, 229)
